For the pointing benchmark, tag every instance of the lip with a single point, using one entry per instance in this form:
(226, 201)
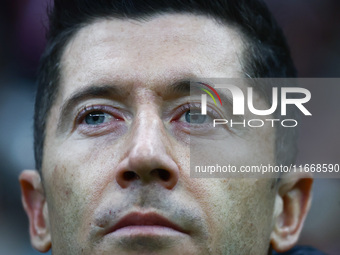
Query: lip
(145, 224)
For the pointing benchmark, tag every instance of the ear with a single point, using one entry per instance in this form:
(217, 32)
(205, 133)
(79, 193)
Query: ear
(35, 205)
(292, 203)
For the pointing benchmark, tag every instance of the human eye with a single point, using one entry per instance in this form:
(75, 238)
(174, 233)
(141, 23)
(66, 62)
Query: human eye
(188, 118)
(98, 120)
(194, 117)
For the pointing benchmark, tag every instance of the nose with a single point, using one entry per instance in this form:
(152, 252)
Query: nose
(148, 156)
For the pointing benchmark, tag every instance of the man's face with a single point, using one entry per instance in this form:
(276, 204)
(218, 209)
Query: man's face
(116, 154)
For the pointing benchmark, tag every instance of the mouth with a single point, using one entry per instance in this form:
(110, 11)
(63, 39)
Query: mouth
(145, 224)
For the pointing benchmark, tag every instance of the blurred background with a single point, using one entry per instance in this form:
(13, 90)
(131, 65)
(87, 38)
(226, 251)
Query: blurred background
(312, 30)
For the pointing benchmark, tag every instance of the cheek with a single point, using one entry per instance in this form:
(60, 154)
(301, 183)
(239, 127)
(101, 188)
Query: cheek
(74, 182)
(251, 148)
(238, 212)
(63, 207)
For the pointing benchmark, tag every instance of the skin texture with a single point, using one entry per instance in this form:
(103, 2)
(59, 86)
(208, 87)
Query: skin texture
(95, 175)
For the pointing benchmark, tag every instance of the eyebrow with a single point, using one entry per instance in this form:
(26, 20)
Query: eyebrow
(188, 86)
(181, 87)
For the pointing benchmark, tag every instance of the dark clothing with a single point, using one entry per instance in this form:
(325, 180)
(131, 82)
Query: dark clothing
(301, 250)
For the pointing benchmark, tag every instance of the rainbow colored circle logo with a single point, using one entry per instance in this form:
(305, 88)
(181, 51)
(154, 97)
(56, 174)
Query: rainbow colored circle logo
(204, 97)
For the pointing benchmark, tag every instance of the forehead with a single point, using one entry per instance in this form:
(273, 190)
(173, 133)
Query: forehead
(155, 51)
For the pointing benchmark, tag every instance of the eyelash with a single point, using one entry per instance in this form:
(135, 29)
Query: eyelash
(81, 115)
(193, 106)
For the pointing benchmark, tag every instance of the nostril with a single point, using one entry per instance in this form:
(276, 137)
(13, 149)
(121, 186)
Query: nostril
(162, 174)
(130, 176)
(167, 178)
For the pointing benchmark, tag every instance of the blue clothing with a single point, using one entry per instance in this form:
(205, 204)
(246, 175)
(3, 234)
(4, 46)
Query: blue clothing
(301, 250)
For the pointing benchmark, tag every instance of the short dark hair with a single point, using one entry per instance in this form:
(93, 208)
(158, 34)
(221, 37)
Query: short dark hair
(266, 53)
